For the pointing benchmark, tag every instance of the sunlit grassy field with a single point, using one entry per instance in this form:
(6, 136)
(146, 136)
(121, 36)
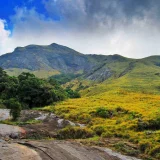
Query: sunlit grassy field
(132, 104)
(133, 116)
(37, 73)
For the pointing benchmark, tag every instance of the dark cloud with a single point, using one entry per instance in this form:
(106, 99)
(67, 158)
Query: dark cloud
(127, 27)
(93, 14)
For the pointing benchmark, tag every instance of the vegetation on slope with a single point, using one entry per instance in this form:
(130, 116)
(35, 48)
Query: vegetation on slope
(120, 96)
(38, 73)
(129, 116)
(28, 91)
(64, 78)
(123, 107)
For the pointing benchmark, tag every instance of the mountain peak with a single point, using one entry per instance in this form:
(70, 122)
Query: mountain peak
(54, 44)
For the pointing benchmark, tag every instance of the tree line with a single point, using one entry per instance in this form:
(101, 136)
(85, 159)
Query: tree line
(27, 91)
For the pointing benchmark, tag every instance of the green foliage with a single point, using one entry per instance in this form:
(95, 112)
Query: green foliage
(64, 78)
(75, 133)
(153, 124)
(84, 118)
(10, 122)
(144, 146)
(98, 129)
(122, 147)
(31, 91)
(72, 94)
(155, 151)
(14, 106)
(103, 112)
(107, 134)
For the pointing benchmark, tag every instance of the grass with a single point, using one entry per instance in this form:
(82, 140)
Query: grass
(38, 73)
(10, 122)
(127, 108)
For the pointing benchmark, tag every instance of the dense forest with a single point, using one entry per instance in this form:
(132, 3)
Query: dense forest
(27, 91)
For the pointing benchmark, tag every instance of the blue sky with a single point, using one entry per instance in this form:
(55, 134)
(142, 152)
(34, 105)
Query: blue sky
(8, 8)
(127, 27)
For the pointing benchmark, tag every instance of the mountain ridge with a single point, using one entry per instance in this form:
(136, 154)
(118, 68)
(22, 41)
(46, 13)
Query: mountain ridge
(66, 60)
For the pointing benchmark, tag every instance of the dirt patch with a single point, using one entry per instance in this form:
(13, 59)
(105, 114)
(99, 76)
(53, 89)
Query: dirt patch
(47, 126)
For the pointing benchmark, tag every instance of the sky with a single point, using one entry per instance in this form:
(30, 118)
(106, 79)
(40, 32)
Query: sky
(130, 28)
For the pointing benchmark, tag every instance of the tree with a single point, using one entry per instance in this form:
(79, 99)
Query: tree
(72, 94)
(36, 92)
(29, 91)
(15, 108)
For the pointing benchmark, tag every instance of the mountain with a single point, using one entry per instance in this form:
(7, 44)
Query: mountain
(119, 96)
(54, 59)
(58, 58)
(54, 56)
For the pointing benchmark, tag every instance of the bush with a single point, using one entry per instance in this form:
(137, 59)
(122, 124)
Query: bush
(148, 125)
(72, 94)
(103, 112)
(122, 147)
(31, 91)
(15, 108)
(107, 134)
(141, 125)
(143, 146)
(74, 133)
(155, 151)
(154, 124)
(98, 130)
(84, 118)
(121, 110)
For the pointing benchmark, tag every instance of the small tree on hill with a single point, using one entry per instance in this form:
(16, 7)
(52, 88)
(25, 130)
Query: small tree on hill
(15, 108)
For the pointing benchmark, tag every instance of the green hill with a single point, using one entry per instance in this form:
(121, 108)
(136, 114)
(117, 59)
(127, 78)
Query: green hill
(120, 96)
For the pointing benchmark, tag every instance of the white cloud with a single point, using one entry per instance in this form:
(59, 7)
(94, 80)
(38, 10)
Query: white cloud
(4, 37)
(90, 34)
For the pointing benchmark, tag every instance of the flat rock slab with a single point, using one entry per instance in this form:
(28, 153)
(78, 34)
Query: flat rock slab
(11, 131)
(65, 150)
(55, 150)
(17, 152)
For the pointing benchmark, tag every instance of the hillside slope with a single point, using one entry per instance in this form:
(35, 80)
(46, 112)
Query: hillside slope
(56, 59)
(120, 96)
(53, 57)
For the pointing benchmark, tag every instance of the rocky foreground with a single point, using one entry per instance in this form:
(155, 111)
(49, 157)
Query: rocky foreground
(55, 150)
(13, 146)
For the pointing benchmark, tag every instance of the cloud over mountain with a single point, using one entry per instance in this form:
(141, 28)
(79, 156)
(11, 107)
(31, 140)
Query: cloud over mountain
(128, 27)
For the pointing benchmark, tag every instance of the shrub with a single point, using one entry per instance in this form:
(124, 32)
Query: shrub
(84, 118)
(107, 134)
(155, 151)
(72, 94)
(122, 135)
(15, 108)
(98, 130)
(122, 147)
(144, 146)
(133, 115)
(103, 112)
(121, 110)
(141, 125)
(74, 133)
(153, 124)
